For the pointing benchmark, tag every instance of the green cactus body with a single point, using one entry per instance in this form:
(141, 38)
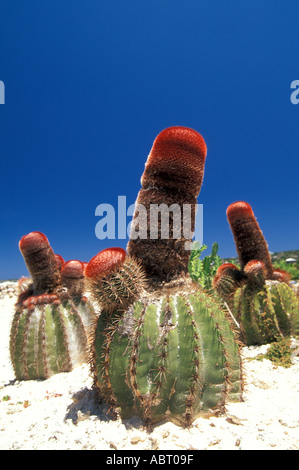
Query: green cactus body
(267, 313)
(171, 356)
(48, 339)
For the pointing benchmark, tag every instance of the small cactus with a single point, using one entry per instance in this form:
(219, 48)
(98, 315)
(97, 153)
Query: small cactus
(162, 347)
(113, 287)
(259, 295)
(50, 325)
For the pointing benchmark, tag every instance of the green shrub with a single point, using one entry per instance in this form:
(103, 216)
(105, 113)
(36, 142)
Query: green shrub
(203, 270)
(291, 268)
(280, 353)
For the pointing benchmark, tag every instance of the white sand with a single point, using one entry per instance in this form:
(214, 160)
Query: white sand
(62, 412)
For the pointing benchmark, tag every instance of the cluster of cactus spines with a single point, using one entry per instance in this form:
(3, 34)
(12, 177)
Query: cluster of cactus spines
(115, 280)
(172, 352)
(173, 175)
(259, 294)
(49, 328)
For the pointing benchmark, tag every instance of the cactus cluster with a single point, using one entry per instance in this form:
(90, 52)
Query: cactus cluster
(159, 341)
(162, 347)
(259, 295)
(50, 327)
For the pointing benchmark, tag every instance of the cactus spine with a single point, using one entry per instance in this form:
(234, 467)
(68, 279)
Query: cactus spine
(50, 325)
(259, 295)
(168, 351)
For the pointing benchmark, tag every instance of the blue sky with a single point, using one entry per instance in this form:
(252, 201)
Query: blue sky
(89, 85)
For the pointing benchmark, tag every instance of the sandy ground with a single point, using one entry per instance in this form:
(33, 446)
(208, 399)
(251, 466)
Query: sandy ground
(63, 413)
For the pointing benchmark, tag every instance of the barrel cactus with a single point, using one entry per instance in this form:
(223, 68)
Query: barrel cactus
(162, 347)
(49, 332)
(259, 295)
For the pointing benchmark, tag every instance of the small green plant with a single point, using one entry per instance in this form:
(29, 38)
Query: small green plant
(203, 270)
(280, 353)
(291, 268)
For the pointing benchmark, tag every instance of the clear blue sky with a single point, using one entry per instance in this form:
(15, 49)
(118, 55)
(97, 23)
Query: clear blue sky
(89, 85)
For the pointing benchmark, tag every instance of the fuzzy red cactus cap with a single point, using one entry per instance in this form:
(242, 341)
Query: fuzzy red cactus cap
(104, 262)
(72, 269)
(33, 242)
(72, 277)
(176, 160)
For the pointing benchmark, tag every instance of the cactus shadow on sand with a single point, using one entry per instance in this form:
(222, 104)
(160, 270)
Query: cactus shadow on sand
(86, 403)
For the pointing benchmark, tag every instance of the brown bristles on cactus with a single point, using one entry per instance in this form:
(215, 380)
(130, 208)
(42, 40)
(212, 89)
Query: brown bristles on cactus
(173, 175)
(52, 322)
(249, 239)
(256, 273)
(264, 303)
(227, 268)
(114, 280)
(40, 261)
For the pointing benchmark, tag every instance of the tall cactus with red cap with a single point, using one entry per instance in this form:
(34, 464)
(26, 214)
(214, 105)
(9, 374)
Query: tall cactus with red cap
(162, 347)
(259, 295)
(49, 332)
